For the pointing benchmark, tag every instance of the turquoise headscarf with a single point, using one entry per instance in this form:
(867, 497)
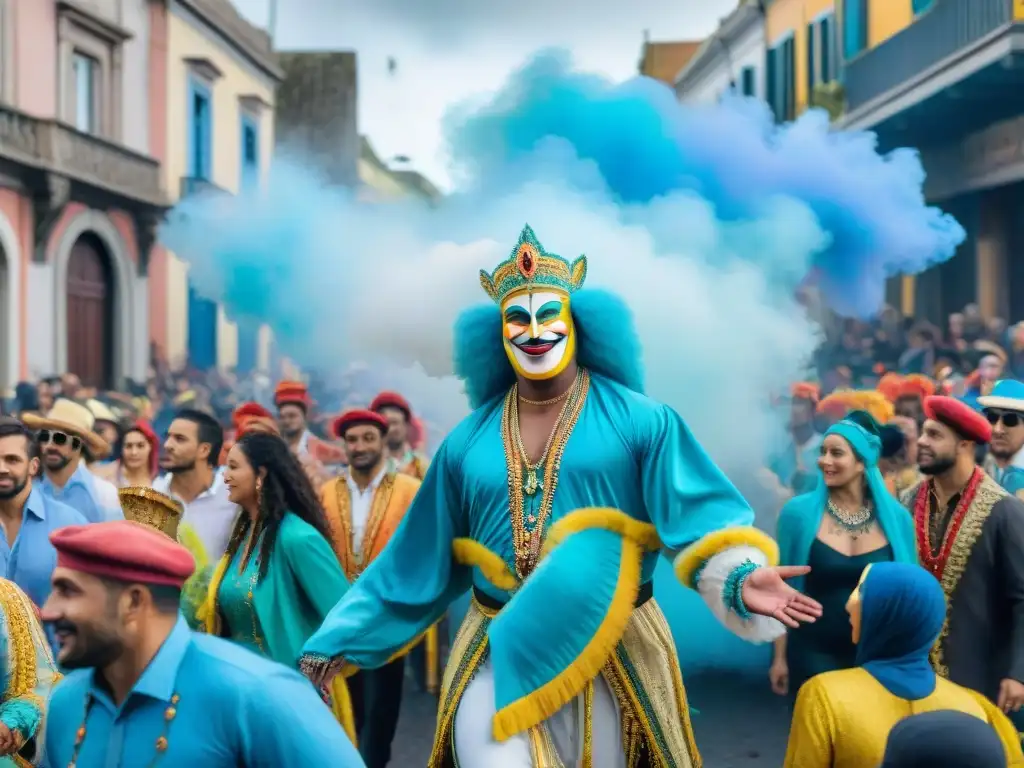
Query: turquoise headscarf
(801, 517)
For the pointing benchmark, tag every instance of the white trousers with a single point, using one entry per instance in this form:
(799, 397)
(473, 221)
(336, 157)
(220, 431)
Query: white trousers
(475, 747)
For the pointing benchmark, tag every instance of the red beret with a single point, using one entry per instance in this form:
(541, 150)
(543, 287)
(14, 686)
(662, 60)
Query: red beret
(958, 416)
(123, 550)
(247, 411)
(358, 416)
(292, 393)
(391, 400)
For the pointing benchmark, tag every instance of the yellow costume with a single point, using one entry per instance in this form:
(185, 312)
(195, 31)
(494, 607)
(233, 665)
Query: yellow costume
(843, 718)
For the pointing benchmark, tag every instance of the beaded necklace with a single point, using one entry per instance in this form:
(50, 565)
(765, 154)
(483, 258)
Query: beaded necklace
(161, 741)
(936, 563)
(528, 530)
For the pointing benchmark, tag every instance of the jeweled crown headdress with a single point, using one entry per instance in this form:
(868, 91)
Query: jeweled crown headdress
(530, 266)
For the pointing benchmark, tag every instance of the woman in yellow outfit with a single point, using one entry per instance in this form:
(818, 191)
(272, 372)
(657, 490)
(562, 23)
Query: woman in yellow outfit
(843, 718)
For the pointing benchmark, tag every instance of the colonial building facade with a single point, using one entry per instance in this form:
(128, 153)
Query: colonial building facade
(732, 58)
(80, 189)
(221, 78)
(944, 76)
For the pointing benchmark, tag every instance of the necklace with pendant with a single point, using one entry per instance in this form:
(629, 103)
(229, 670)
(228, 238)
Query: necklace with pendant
(855, 523)
(531, 482)
(528, 530)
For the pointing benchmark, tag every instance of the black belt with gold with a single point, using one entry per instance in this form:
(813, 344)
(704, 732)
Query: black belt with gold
(645, 593)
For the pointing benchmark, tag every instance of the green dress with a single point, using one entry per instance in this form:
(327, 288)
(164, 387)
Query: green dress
(275, 615)
(235, 598)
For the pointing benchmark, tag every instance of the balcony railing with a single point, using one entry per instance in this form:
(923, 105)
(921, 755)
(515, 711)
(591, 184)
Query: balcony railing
(53, 146)
(197, 185)
(947, 27)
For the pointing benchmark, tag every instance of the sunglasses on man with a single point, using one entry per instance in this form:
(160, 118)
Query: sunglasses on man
(60, 439)
(1010, 419)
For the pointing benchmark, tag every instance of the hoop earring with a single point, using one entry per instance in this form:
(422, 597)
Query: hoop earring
(259, 492)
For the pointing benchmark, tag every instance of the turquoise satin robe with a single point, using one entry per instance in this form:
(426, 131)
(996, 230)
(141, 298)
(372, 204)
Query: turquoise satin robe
(626, 451)
(304, 582)
(235, 708)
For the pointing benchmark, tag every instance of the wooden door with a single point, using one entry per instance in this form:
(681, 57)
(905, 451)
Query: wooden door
(89, 314)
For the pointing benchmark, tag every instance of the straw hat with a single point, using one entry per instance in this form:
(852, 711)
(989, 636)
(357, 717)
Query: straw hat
(74, 419)
(151, 508)
(100, 411)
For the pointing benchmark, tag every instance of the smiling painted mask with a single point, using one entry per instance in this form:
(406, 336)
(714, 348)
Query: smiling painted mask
(533, 288)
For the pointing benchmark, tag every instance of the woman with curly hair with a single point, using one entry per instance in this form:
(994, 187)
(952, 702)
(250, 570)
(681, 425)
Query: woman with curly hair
(279, 577)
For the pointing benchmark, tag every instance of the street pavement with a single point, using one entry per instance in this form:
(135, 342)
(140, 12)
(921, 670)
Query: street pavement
(739, 723)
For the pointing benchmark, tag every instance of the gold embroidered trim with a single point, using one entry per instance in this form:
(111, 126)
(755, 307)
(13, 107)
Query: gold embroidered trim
(347, 556)
(989, 493)
(378, 512)
(352, 563)
(23, 677)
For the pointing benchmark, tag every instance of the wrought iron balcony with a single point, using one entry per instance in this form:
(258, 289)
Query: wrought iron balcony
(196, 185)
(52, 146)
(947, 28)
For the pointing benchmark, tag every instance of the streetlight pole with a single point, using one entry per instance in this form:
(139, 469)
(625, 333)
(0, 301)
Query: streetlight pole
(272, 21)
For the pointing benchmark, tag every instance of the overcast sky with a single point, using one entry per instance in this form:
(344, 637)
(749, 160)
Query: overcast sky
(448, 51)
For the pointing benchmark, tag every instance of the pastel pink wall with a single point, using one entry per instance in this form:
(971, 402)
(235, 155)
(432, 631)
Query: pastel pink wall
(158, 33)
(35, 51)
(122, 223)
(19, 212)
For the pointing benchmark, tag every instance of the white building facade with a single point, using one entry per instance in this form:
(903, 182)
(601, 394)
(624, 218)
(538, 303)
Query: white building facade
(732, 57)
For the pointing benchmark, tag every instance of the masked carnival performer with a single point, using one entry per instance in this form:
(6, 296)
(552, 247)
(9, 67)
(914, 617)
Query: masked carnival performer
(145, 690)
(364, 507)
(552, 501)
(970, 536)
(29, 674)
(402, 457)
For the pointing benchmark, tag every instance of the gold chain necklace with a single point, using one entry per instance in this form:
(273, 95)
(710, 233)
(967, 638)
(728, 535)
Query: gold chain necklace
(526, 543)
(550, 400)
(532, 484)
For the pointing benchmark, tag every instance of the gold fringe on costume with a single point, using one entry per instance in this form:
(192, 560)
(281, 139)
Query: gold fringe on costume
(643, 673)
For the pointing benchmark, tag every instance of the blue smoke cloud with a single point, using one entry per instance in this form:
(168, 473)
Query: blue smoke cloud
(641, 145)
(705, 220)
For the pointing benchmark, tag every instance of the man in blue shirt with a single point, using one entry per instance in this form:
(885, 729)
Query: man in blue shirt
(63, 435)
(27, 516)
(145, 688)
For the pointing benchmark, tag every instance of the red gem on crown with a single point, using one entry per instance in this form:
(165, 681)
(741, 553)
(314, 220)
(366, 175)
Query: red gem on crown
(527, 261)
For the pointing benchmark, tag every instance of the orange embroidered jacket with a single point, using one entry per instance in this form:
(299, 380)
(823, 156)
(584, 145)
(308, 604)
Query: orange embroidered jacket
(390, 502)
(413, 464)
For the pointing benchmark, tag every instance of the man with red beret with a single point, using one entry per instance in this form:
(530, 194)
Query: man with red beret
(248, 417)
(400, 455)
(364, 507)
(293, 405)
(144, 688)
(970, 536)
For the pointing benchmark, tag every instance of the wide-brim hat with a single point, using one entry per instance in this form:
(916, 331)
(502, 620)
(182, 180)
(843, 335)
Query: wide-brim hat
(1007, 394)
(101, 411)
(151, 508)
(74, 419)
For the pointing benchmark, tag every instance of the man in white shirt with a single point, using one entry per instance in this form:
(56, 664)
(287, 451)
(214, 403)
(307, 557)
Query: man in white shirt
(193, 445)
